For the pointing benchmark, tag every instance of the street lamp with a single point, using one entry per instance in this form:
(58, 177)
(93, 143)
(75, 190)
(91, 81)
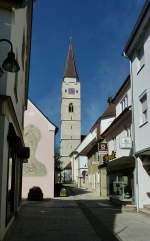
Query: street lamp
(10, 64)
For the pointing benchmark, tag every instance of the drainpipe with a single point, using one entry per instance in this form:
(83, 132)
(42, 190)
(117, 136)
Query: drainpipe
(136, 180)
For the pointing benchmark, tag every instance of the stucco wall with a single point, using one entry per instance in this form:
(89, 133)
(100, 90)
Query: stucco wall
(13, 25)
(105, 123)
(141, 83)
(115, 144)
(144, 184)
(39, 136)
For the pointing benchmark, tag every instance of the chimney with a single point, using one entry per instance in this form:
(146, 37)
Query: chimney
(109, 100)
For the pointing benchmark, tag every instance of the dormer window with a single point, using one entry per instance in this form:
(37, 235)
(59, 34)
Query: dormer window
(124, 103)
(70, 107)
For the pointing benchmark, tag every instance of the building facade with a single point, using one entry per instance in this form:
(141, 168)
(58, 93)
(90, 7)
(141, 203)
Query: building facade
(97, 171)
(137, 50)
(39, 135)
(94, 147)
(16, 26)
(120, 160)
(70, 113)
(78, 158)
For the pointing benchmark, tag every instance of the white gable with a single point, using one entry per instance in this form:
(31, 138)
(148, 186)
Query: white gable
(33, 111)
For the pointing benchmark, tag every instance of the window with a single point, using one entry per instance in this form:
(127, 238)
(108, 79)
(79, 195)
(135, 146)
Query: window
(140, 57)
(124, 103)
(10, 186)
(144, 108)
(23, 50)
(65, 91)
(70, 107)
(114, 143)
(16, 87)
(128, 132)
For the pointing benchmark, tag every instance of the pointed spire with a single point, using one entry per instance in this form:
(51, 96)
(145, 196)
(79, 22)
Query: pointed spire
(70, 68)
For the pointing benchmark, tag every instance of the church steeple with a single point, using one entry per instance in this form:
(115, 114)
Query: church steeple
(70, 68)
(70, 113)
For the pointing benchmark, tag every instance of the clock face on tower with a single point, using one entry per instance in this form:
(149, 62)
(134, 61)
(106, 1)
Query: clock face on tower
(71, 91)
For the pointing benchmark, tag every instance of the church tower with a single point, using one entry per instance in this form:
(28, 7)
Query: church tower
(70, 111)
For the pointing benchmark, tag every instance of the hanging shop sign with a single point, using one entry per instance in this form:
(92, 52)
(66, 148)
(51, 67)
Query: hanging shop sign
(107, 157)
(103, 149)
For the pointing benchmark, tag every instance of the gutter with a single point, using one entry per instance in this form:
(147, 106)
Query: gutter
(137, 26)
(29, 37)
(126, 110)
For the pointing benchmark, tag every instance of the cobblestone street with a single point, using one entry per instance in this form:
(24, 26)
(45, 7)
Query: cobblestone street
(79, 217)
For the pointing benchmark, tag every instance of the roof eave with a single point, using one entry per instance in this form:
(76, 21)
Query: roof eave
(126, 110)
(39, 110)
(132, 36)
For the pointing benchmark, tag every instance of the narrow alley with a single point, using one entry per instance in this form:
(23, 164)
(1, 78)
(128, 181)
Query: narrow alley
(81, 216)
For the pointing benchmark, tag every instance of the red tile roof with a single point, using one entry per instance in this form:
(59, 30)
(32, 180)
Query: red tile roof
(110, 111)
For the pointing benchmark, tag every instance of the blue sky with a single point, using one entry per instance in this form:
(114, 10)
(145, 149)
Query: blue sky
(100, 30)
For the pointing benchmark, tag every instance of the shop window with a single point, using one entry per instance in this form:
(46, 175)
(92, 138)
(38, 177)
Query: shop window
(121, 186)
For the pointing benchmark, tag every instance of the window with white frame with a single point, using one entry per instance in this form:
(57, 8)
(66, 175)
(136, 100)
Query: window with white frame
(140, 58)
(144, 108)
(124, 103)
(128, 132)
(114, 144)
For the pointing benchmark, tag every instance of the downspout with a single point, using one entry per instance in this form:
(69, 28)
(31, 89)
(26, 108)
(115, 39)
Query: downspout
(133, 141)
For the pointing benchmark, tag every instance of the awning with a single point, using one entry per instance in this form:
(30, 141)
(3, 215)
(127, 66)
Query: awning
(121, 163)
(144, 152)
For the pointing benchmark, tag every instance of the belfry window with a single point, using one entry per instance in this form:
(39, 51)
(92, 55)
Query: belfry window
(70, 107)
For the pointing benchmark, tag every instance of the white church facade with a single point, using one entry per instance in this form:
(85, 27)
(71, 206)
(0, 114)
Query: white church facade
(70, 113)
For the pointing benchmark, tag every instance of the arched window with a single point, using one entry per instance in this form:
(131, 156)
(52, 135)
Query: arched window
(70, 107)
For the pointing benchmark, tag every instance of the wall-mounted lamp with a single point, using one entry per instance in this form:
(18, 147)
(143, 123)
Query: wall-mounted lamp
(10, 64)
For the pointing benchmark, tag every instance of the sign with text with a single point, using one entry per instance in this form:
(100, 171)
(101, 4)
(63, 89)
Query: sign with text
(125, 142)
(103, 149)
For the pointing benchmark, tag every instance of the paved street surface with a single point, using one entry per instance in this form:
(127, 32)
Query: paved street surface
(82, 216)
